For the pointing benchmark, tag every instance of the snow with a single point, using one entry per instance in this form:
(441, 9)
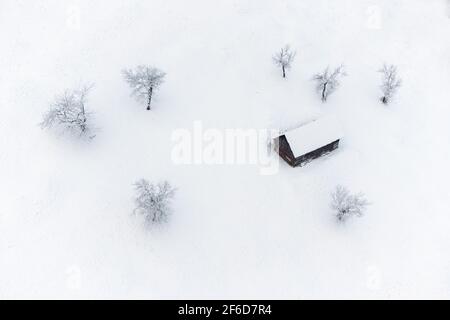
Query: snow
(66, 223)
(313, 135)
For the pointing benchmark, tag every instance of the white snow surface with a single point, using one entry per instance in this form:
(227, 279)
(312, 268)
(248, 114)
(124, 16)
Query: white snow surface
(66, 224)
(313, 135)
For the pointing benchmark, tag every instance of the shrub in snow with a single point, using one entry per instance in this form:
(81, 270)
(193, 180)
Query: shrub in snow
(284, 59)
(153, 201)
(328, 82)
(347, 205)
(144, 81)
(68, 112)
(390, 84)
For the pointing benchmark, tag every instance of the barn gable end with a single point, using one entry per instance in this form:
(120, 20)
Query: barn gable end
(285, 151)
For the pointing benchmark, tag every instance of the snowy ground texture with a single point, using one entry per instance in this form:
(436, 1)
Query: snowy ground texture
(66, 229)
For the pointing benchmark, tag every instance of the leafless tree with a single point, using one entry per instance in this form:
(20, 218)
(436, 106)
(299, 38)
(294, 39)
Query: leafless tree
(390, 84)
(328, 82)
(284, 59)
(144, 81)
(68, 111)
(347, 205)
(153, 201)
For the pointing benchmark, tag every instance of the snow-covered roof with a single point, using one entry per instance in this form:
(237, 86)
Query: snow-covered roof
(313, 135)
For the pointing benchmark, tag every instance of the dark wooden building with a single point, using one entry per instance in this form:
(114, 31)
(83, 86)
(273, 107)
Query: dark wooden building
(308, 142)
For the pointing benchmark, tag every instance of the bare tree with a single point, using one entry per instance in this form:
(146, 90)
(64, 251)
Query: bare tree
(347, 205)
(144, 80)
(390, 84)
(328, 82)
(284, 59)
(153, 201)
(68, 111)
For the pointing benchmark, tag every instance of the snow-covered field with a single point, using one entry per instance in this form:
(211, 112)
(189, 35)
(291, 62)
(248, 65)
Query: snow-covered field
(66, 224)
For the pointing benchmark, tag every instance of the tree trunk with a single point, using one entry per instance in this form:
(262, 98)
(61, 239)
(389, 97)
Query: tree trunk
(384, 100)
(150, 93)
(324, 92)
(83, 126)
(284, 71)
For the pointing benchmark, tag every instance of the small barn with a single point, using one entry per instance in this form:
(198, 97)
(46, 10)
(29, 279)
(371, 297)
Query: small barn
(308, 142)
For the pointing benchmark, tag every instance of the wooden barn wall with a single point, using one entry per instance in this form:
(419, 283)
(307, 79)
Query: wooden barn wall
(285, 152)
(302, 160)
